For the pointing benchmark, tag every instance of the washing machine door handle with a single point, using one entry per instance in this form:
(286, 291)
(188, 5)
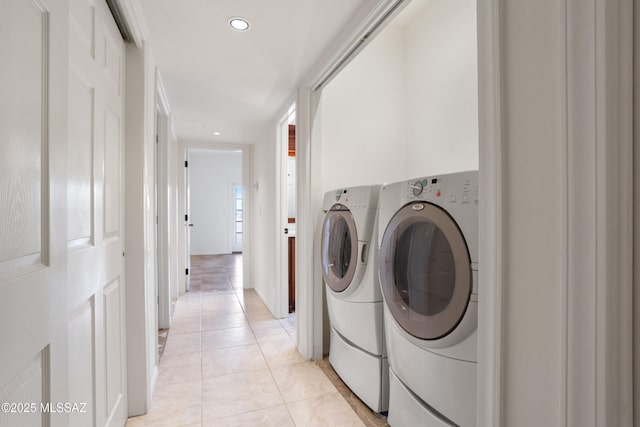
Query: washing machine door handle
(363, 249)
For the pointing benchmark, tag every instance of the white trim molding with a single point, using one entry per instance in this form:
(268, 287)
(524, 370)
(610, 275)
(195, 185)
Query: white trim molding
(492, 162)
(600, 229)
(164, 192)
(133, 18)
(306, 212)
(372, 24)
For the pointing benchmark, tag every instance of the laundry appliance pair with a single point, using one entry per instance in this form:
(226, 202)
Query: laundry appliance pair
(426, 261)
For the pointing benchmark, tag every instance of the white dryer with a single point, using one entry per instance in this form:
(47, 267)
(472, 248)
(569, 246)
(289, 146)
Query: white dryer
(428, 242)
(354, 299)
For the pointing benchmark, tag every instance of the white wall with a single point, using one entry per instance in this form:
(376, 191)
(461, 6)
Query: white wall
(407, 105)
(265, 230)
(441, 89)
(363, 116)
(212, 174)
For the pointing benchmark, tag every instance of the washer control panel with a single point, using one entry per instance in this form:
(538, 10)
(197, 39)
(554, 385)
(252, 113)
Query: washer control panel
(356, 197)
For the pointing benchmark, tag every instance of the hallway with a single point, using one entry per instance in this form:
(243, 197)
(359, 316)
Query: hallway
(228, 362)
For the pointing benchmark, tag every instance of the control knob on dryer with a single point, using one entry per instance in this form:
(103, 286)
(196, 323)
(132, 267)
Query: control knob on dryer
(417, 188)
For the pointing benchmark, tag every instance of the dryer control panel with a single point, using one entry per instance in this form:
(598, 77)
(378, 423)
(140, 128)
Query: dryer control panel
(452, 188)
(457, 193)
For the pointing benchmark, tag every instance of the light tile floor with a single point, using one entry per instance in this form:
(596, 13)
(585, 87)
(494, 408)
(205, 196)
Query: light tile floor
(228, 362)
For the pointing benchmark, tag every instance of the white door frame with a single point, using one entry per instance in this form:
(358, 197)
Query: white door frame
(141, 299)
(308, 300)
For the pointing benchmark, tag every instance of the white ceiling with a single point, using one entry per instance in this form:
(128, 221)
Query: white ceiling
(218, 79)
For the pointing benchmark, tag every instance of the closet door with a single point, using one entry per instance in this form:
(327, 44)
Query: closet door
(95, 294)
(33, 353)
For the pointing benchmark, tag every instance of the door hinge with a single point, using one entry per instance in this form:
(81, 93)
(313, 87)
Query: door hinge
(186, 217)
(156, 138)
(186, 163)
(186, 271)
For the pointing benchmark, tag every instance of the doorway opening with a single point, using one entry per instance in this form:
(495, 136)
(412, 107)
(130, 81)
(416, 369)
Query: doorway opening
(287, 214)
(212, 176)
(215, 201)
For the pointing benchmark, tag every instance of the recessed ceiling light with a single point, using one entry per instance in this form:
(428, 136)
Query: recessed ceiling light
(217, 133)
(239, 24)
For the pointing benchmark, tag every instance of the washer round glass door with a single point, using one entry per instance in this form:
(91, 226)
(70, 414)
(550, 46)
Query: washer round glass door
(339, 248)
(425, 271)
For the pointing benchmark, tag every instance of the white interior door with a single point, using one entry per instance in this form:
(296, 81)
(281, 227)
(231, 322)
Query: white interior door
(33, 353)
(95, 298)
(61, 299)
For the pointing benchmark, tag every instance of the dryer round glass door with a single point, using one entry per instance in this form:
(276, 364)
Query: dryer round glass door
(425, 271)
(339, 248)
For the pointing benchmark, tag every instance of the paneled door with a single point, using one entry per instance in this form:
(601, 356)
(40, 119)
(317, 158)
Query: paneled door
(62, 349)
(34, 357)
(95, 295)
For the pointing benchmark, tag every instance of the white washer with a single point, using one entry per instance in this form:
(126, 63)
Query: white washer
(428, 242)
(354, 299)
